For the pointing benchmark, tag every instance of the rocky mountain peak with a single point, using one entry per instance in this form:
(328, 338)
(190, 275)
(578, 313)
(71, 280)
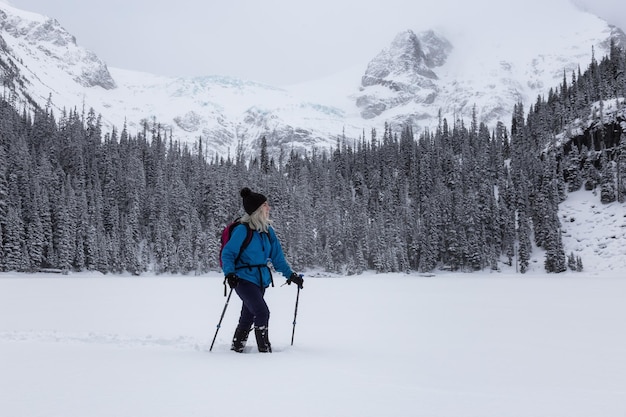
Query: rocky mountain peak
(25, 31)
(407, 56)
(406, 70)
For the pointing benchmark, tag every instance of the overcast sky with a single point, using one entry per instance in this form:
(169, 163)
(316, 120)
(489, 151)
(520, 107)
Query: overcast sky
(277, 42)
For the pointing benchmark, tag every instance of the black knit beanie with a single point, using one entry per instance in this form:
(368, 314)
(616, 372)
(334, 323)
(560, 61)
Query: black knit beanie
(251, 201)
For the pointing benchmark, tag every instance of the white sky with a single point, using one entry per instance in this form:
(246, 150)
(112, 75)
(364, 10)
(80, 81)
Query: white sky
(272, 41)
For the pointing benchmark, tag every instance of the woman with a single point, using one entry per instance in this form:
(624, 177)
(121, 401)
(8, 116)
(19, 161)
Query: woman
(249, 272)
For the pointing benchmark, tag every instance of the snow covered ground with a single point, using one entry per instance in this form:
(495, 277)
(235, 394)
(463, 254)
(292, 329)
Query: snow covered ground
(453, 345)
(386, 345)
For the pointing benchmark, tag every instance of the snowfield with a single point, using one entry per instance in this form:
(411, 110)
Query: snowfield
(488, 344)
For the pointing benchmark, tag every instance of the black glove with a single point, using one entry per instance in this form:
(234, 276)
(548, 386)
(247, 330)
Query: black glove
(232, 279)
(296, 279)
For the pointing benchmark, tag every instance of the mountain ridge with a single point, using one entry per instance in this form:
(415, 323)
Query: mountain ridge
(420, 74)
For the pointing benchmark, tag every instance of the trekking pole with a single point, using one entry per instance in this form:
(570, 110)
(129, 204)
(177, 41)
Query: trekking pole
(221, 318)
(295, 314)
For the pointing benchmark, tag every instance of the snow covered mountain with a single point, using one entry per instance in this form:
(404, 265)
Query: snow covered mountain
(410, 81)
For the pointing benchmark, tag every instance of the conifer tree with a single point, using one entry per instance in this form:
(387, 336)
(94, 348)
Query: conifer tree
(571, 261)
(607, 181)
(620, 169)
(525, 245)
(573, 170)
(15, 246)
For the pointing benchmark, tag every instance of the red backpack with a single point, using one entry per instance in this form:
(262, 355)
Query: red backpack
(227, 233)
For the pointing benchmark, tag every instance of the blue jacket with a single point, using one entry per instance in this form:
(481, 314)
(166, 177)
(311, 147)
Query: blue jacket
(252, 265)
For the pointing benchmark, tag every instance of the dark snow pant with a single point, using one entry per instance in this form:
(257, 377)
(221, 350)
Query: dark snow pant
(254, 309)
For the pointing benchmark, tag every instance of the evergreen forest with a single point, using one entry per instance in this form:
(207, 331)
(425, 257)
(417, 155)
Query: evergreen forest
(463, 197)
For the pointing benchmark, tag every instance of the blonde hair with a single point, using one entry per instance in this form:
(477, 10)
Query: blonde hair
(256, 221)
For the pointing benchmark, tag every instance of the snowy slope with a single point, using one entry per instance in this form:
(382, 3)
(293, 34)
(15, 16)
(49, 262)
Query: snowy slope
(492, 66)
(594, 231)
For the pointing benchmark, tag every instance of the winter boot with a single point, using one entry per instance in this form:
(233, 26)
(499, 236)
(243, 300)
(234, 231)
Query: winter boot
(239, 339)
(262, 339)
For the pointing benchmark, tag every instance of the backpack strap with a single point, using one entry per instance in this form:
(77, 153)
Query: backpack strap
(245, 243)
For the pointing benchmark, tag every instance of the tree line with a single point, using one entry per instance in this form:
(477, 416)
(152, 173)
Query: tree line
(461, 197)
